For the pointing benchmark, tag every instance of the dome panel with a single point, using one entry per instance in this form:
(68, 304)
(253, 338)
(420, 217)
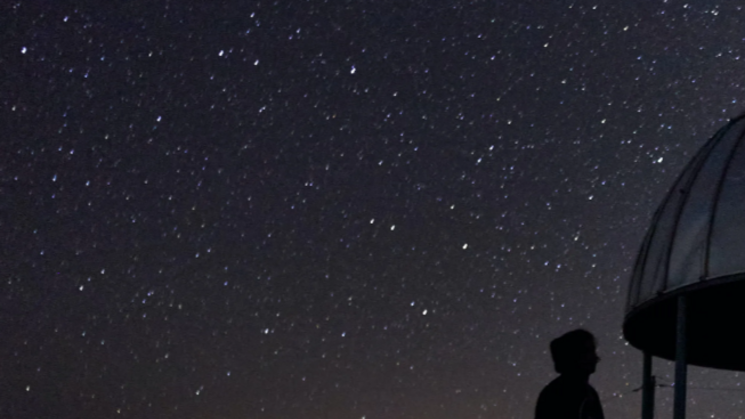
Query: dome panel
(687, 260)
(728, 228)
(650, 273)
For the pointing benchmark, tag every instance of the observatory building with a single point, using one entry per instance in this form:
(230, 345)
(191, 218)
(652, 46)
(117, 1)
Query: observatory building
(686, 291)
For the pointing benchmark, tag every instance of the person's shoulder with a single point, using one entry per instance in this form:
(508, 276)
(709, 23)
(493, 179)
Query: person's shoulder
(557, 382)
(592, 391)
(552, 388)
(552, 400)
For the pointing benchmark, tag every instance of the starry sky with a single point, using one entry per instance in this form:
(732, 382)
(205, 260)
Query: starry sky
(340, 209)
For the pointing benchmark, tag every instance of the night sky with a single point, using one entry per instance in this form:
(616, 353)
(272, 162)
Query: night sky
(340, 209)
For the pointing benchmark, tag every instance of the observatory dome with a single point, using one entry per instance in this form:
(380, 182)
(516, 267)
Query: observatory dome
(696, 246)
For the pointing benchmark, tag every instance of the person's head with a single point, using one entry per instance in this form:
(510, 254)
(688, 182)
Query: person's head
(574, 353)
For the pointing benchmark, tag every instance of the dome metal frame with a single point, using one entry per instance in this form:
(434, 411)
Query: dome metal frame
(685, 312)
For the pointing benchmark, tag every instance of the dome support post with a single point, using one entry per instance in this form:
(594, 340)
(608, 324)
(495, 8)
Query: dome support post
(648, 387)
(681, 372)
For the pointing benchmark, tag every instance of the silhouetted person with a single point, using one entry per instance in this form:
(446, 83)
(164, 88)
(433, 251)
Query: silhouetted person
(570, 396)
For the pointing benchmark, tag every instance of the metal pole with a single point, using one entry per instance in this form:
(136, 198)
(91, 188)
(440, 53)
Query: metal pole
(679, 406)
(648, 385)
